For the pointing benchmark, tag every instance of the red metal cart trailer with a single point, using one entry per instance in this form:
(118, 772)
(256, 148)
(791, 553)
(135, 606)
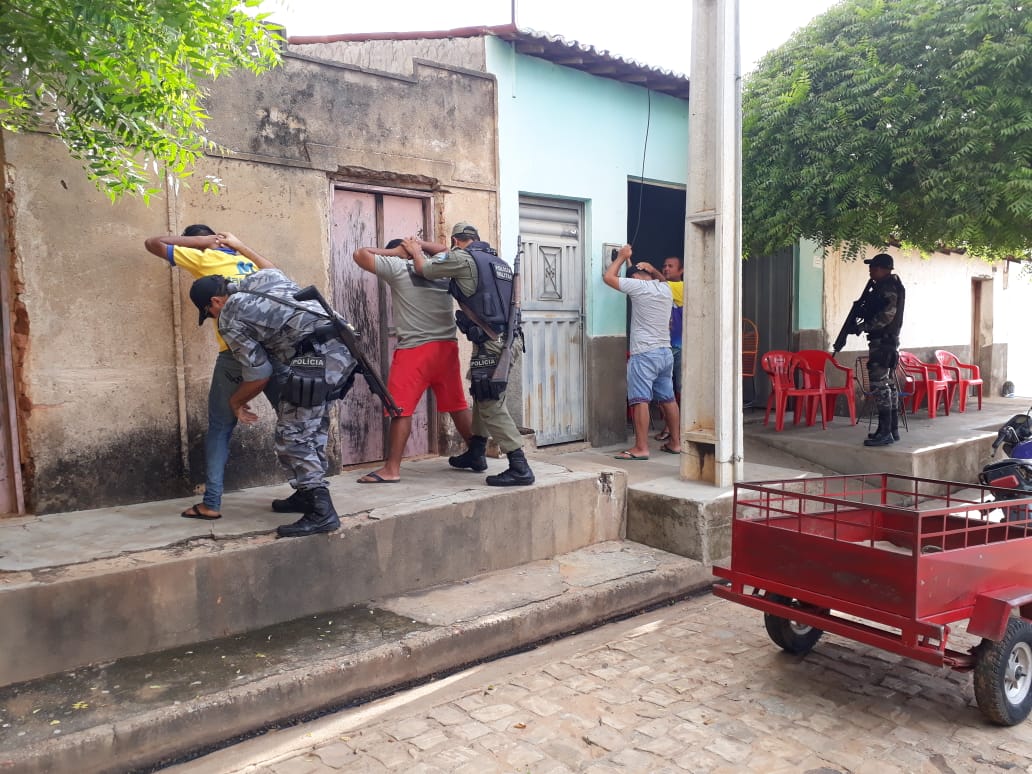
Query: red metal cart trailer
(892, 561)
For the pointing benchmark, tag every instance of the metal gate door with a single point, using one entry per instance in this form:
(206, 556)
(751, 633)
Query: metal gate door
(358, 296)
(552, 299)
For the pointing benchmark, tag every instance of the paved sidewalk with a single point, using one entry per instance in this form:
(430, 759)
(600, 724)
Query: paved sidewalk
(696, 687)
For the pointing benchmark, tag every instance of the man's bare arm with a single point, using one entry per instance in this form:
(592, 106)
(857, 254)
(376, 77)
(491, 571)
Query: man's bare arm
(158, 245)
(612, 275)
(239, 400)
(365, 257)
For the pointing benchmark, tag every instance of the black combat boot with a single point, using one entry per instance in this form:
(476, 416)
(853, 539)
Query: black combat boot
(473, 458)
(518, 474)
(883, 435)
(894, 426)
(321, 518)
(299, 502)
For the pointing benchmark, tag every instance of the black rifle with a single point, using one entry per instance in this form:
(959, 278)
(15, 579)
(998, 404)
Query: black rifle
(514, 321)
(349, 337)
(857, 315)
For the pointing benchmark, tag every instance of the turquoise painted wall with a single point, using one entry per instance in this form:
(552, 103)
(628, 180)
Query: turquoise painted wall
(563, 133)
(809, 308)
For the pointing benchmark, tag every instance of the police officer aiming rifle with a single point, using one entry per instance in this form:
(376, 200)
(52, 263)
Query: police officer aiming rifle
(879, 313)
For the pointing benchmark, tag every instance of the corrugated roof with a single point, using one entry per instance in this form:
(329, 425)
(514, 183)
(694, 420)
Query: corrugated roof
(553, 48)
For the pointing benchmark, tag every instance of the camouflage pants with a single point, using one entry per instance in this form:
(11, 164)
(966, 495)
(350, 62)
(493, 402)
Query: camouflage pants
(491, 418)
(302, 433)
(881, 369)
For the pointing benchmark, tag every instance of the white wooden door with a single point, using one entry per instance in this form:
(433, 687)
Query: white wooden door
(553, 319)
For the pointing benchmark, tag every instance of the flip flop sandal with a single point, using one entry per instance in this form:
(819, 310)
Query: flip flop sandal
(668, 450)
(376, 478)
(664, 436)
(626, 455)
(193, 512)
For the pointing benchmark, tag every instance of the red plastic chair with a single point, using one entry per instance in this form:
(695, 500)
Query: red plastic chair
(780, 367)
(962, 377)
(819, 363)
(929, 383)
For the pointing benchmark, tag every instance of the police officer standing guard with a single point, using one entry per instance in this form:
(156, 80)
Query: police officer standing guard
(260, 318)
(883, 320)
(482, 283)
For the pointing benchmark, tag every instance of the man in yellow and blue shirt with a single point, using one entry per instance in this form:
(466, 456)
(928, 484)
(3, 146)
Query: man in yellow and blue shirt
(202, 252)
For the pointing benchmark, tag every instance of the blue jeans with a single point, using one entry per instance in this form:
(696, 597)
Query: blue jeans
(225, 380)
(650, 376)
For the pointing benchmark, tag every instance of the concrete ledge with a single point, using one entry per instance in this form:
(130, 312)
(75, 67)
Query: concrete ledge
(949, 448)
(205, 588)
(594, 588)
(683, 517)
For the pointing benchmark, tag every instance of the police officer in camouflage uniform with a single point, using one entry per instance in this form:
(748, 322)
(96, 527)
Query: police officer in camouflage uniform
(883, 319)
(479, 284)
(259, 318)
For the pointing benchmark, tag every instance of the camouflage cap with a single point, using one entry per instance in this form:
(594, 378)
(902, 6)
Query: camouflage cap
(465, 231)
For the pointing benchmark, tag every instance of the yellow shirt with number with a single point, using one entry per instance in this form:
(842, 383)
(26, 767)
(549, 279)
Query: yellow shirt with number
(204, 263)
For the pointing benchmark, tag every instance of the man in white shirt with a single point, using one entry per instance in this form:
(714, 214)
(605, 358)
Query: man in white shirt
(651, 363)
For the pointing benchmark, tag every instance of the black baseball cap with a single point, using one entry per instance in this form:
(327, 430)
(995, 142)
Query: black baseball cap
(202, 291)
(880, 261)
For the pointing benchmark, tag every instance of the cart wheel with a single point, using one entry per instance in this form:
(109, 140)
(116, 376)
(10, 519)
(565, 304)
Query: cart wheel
(789, 635)
(1003, 675)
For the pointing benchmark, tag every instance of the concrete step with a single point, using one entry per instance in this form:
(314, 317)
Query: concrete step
(95, 586)
(146, 710)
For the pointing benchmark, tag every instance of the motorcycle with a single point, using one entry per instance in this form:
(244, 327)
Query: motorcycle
(1011, 478)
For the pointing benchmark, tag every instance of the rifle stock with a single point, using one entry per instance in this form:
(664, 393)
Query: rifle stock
(347, 335)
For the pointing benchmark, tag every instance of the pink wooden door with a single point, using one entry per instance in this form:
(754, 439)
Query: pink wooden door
(362, 218)
(403, 216)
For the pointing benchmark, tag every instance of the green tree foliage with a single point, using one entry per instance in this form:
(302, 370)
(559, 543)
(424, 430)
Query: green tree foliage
(894, 120)
(117, 80)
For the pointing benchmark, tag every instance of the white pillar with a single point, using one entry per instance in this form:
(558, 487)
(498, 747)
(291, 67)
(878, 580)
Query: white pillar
(711, 360)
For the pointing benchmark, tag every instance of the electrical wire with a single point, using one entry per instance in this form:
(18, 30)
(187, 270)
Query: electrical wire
(641, 179)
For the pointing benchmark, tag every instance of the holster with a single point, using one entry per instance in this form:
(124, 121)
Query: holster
(470, 329)
(483, 385)
(306, 381)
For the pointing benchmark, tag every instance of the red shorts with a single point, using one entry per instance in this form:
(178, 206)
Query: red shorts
(433, 365)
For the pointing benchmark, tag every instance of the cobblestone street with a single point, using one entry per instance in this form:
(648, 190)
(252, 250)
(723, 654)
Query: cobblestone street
(697, 687)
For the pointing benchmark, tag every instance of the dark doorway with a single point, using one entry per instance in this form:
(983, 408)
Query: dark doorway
(655, 221)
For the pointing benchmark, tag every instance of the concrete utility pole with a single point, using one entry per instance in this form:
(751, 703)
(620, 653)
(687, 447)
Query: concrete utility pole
(711, 400)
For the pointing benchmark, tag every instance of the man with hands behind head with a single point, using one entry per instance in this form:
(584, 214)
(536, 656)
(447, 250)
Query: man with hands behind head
(651, 362)
(202, 252)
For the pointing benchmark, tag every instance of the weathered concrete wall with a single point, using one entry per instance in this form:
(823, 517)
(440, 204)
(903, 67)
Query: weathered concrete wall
(396, 56)
(100, 394)
(606, 359)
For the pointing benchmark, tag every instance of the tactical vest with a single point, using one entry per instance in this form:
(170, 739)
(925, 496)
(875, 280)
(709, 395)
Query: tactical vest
(892, 329)
(489, 305)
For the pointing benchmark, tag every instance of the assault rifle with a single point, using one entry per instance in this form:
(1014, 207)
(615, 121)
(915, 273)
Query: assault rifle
(857, 315)
(349, 337)
(513, 322)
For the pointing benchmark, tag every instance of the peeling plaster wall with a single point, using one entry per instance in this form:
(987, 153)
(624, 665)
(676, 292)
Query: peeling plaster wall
(99, 398)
